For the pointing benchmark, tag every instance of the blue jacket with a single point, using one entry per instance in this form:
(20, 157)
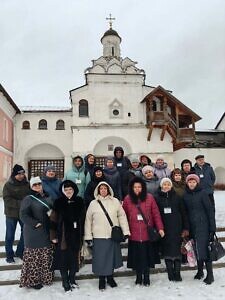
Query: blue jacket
(51, 186)
(207, 177)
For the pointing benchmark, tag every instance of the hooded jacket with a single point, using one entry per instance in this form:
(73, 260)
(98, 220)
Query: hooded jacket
(122, 164)
(89, 168)
(162, 171)
(67, 219)
(96, 223)
(78, 176)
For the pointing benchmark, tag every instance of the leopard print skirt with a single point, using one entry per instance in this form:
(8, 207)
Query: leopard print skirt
(36, 268)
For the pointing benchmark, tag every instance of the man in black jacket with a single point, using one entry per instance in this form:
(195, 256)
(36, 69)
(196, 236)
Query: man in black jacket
(15, 189)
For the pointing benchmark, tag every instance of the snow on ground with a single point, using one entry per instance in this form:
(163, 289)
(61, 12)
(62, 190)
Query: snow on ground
(160, 287)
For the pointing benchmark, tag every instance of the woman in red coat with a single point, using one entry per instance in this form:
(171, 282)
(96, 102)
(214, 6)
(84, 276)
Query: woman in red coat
(140, 252)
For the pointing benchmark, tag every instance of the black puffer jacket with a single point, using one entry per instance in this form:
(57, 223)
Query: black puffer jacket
(201, 218)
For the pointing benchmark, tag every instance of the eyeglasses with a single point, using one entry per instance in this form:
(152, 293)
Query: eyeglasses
(36, 184)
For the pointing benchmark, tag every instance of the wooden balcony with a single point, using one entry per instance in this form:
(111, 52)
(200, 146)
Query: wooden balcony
(185, 135)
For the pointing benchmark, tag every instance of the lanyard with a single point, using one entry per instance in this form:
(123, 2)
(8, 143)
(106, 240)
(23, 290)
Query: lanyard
(46, 205)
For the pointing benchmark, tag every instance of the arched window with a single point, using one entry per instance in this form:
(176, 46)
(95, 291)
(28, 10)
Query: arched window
(60, 125)
(26, 125)
(42, 124)
(83, 108)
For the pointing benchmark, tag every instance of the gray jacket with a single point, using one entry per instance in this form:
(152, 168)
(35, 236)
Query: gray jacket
(33, 212)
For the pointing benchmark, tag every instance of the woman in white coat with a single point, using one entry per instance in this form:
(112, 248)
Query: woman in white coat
(106, 253)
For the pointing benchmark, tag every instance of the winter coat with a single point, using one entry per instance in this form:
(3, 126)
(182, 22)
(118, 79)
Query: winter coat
(13, 193)
(33, 212)
(138, 228)
(175, 220)
(67, 221)
(89, 168)
(51, 186)
(89, 192)
(161, 171)
(80, 177)
(127, 176)
(201, 218)
(122, 164)
(152, 184)
(179, 187)
(207, 177)
(96, 223)
(112, 177)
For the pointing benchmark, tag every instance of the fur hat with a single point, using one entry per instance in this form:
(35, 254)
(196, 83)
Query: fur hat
(34, 180)
(160, 156)
(194, 177)
(165, 179)
(146, 169)
(17, 169)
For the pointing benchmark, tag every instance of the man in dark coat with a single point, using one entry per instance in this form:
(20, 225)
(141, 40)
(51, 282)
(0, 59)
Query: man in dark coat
(15, 189)
(207, 177)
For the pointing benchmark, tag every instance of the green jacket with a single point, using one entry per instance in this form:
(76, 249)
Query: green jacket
(13, 193)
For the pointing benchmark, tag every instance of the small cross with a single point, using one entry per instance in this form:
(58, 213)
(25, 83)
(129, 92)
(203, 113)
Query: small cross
(110, 19)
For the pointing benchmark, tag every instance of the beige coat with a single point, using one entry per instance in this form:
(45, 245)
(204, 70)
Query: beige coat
(96, 223)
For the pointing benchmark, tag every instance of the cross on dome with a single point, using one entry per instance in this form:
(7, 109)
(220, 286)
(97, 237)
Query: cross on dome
(110, 19)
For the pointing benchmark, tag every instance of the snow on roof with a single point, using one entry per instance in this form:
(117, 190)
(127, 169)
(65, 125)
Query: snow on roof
(44, 108)
(210, 130)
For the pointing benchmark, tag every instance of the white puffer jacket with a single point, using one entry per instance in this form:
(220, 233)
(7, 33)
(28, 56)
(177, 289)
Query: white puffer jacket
(96, 223)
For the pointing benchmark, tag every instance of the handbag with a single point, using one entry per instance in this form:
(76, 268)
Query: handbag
(216, 250)
(153, 234)
(116, 233)
(191, 257)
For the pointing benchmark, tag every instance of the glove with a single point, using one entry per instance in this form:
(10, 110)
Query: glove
(126, 237)
(89, 244)
(211, 236)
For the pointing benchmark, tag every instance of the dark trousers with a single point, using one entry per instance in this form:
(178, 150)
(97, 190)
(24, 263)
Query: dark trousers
(11, 224)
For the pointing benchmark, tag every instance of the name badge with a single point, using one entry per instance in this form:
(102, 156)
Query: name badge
(74, 224)
(78, 181)
(119, 164)
(167, 210)
(139, 217)
(201, 176)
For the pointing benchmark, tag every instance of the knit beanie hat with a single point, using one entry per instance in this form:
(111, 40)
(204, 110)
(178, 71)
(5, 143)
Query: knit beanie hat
(194, 177)
(165, 179)
(34, 180)
(17, 169)
(134, 159)
(49, 168)
(146, 169)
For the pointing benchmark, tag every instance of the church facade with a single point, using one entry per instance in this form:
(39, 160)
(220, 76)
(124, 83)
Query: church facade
(113, 108)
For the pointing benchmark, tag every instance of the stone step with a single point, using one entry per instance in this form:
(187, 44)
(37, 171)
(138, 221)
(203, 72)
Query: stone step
(124, 273)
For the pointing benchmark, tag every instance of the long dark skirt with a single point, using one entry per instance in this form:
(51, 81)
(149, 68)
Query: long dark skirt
(106, 256)
(36, 268)
(141, 255)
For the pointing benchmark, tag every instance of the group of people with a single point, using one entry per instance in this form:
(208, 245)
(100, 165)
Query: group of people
(58, 218)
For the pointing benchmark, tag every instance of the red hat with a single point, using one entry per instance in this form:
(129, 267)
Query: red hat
(194, 177)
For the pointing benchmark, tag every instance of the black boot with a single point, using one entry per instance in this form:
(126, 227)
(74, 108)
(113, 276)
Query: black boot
(209, 278)
(72, 281)
(102, 283)
(169, 268)
(177, 266)
(146, 280)
(65, 281)
(138, 278)
(111, 282)
(200, 274)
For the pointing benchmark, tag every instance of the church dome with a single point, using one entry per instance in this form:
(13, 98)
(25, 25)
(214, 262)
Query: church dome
(111, 32)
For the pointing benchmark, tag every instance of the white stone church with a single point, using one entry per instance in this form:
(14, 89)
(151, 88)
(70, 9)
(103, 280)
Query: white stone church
(113, 108)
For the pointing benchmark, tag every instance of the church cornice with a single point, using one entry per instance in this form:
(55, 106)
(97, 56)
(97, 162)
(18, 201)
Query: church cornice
(109, 126)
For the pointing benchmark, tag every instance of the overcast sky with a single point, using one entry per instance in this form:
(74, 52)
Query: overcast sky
(45, 46)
